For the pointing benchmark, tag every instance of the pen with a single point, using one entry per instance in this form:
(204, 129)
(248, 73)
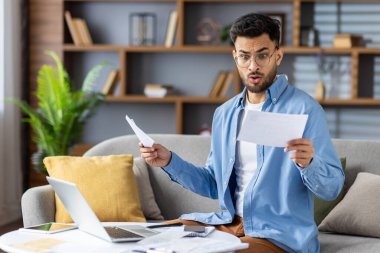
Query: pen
(159, 250)
(166, 225)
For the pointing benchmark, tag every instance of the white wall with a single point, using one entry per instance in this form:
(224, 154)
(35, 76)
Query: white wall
(10, 86)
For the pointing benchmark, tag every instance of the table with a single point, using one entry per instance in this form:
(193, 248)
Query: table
(78, 241)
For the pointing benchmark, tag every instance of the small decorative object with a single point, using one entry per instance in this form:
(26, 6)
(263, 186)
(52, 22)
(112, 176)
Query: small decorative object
(323, 68)
(346, 40)
(208, 31)
(320, 90)
(281, 18)
(142, 29)
(309, 37)
(157, 90)
(58, 120)
(205, 130)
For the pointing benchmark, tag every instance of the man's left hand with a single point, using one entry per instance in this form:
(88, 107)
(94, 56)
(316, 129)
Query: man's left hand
(303, 151)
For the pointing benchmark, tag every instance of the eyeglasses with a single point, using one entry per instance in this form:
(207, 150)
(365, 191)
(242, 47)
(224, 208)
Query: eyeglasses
(261, 59)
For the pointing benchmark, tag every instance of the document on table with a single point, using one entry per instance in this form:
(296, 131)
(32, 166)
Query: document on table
(192, 245)
(143, 137)
(272, 129)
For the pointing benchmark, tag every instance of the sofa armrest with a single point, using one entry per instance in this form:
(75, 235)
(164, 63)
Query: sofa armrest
(38, 205)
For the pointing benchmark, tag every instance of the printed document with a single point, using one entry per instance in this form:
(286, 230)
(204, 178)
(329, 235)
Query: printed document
(143, 137)
(272, 129)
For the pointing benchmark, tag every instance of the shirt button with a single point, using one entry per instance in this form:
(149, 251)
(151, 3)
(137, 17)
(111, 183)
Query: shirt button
(274, 99)
(231, 160)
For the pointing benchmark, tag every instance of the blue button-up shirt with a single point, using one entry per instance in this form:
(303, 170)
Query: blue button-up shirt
(278, 201)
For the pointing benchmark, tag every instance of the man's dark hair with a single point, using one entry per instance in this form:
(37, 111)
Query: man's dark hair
(253, 25)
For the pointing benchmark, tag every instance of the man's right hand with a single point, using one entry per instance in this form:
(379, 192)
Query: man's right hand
(156, 156)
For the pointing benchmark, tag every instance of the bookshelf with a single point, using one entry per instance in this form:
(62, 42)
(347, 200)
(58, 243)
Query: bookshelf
(110, 38)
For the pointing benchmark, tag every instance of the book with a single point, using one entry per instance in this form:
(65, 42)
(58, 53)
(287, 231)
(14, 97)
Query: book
(73, 29)
(110, 83)
(80, 31)
(171, 28)
(215, 90)
(226, 84)
(83, 31)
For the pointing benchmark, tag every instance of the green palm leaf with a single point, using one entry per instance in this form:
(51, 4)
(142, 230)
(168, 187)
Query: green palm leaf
(59, 119)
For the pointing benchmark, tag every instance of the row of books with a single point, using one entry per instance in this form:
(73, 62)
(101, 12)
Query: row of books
(78, 30)
(222, 84)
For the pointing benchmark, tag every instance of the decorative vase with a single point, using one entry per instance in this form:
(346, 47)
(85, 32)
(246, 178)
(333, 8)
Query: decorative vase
(320, 90)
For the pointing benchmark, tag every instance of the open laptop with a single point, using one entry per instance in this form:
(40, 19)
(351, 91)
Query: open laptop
(86, 220)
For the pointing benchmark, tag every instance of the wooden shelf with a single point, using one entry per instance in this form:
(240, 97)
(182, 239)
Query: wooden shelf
(369, 50)
(168, 99)
(317, 50)
(208, 100)
(141, 49)
(338, 1)
(209, 49)
(238, 1)
(350, 102)
(122, 1)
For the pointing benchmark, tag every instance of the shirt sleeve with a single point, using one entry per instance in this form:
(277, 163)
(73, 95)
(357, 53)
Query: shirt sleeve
(324, 175)
(200, 180)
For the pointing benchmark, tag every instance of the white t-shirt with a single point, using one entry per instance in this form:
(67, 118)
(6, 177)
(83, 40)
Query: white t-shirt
(246, 159)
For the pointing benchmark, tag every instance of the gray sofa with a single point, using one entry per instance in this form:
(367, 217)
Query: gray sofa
(38, 204)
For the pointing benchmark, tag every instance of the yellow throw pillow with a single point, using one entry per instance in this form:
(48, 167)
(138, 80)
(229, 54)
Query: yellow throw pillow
(106, 182)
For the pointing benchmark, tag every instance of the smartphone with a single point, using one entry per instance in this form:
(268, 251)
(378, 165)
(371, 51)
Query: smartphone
(197, 229)
(49, 228)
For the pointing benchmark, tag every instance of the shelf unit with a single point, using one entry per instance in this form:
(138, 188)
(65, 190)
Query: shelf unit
(184, 46)
(46, 18)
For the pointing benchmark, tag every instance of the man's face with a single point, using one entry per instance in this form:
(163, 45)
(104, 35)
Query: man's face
(257, 60)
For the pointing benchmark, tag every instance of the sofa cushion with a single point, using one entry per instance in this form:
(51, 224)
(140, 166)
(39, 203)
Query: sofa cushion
(148, 202)
(322, 207)
(106, 182)
(336, 243)
(357, 213)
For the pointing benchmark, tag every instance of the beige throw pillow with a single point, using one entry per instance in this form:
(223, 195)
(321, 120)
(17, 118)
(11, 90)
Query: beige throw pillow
(358, 212)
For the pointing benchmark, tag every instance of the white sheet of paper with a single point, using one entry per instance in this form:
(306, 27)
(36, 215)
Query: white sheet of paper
(143, 137)
(272, 129)
(164, 237)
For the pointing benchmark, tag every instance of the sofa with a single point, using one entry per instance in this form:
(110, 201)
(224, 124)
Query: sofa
(38, 203)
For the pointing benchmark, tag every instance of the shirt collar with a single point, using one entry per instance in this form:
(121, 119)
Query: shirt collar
(277, 88)
(273, 93)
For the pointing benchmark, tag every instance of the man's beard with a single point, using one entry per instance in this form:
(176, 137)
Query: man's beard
(266, 82)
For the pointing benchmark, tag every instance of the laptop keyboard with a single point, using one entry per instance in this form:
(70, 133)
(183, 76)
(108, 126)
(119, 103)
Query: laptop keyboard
(115, 232)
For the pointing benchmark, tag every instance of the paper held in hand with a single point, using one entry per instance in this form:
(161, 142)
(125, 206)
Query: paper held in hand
(272, 129)
(143, 137)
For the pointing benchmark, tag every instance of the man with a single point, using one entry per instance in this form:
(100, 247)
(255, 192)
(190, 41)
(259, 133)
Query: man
(265, 193)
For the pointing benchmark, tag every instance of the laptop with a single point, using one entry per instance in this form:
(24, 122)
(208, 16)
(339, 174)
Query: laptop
(86, 219)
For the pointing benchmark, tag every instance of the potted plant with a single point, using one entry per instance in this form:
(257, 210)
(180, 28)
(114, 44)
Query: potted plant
(58, 120)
